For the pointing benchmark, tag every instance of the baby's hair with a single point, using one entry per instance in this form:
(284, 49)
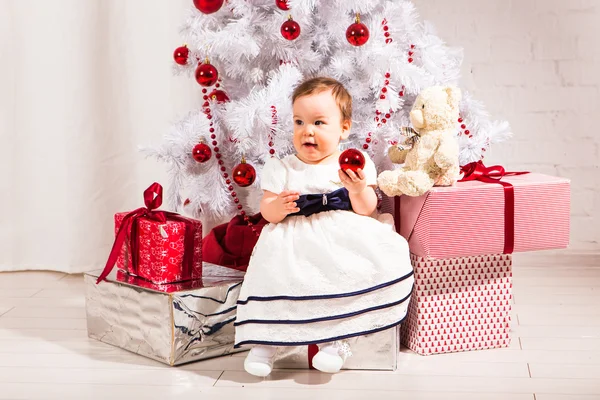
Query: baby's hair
(321, 84)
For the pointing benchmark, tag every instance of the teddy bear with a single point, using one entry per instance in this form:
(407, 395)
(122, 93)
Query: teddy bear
(433, 157)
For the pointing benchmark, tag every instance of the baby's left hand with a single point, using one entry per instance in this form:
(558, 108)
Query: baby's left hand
(355, 182)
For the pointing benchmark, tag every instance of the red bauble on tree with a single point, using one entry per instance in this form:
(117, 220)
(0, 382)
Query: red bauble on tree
(218, 95)
(244, 174)
(357, 33)
(351, 159)
(180, 55)
(208, 6)
(206, 74)
(290, 29)
(282, 4)
(201, 152)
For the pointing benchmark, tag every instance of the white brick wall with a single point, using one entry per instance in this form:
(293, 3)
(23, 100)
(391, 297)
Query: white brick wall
(536, 63)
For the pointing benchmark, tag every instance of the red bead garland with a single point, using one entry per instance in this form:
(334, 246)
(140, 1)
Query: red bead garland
(274, 121)
(388, 39)
(463, 127)
(410, 53)
(487, 144)
(401, 93)
(225, 175)
(387, 114)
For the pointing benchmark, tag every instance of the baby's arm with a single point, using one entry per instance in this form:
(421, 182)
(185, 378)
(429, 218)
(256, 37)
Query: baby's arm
(362, 196)
(365, 202)
(275, 207)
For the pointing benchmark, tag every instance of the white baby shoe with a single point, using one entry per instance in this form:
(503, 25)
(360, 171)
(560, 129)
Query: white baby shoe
(331, 357)
(259, 361)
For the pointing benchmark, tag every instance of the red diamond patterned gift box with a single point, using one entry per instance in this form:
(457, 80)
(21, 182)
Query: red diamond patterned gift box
(459, 304)
(461, 239)
(158, 246)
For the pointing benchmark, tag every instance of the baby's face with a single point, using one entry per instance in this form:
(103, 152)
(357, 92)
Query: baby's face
(318, 127)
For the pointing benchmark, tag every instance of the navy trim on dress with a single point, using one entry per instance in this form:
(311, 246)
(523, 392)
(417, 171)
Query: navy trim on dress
(333, 339)
(321, 319)
(326, 296)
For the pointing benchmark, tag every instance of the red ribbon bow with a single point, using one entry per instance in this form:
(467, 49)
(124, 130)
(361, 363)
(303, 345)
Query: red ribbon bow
(494, 174)
(153, 197)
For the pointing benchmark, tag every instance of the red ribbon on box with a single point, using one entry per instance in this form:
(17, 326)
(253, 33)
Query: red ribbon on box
(477, 171)
(153, 197)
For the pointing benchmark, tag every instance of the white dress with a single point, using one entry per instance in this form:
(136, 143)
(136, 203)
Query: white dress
(325, 277)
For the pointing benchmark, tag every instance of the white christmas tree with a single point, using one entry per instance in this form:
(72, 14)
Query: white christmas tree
(260, 50)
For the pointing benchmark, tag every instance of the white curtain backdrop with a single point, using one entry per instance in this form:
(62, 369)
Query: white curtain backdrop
(82, 84)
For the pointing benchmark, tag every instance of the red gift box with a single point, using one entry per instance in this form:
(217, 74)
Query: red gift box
(521, 212)
(158, 246)
(459, 304)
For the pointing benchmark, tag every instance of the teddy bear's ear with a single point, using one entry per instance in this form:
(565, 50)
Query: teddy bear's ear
(454, 96)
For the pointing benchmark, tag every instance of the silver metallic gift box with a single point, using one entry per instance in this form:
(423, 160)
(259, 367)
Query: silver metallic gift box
(171, 323)
(377, 351)
(192, 321)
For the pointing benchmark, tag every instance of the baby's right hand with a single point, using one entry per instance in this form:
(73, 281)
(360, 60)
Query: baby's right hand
(286, 202)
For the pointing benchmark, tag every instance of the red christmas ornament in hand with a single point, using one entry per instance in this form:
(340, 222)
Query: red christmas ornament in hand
(201, 152)
(357, 33)
(208, 6)
(218, 95)
(352, 159)
(282, 4)
(290, 29)
(206, 74)
(181, 55)
(244, 174)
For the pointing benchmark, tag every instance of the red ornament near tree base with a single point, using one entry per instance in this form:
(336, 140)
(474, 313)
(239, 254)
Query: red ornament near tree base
(357, 33)
(208, 6)
(244, 174)
(206, 74)
(201, 152)
(351, 159)
(290, 29)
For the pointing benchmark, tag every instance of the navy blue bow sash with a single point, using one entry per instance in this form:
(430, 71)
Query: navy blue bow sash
(315, 203)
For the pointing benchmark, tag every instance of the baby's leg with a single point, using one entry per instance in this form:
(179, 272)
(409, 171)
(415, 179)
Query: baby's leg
(259, 361)
(331, 356)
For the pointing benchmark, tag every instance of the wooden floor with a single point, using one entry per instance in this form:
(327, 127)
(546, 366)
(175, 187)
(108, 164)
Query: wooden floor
(555, 352)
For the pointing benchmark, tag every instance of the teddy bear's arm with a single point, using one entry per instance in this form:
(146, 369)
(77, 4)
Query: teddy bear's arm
(397, 155)
(446, 155)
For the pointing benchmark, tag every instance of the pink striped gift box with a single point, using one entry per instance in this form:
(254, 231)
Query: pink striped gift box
(468, 219)
(459, 304)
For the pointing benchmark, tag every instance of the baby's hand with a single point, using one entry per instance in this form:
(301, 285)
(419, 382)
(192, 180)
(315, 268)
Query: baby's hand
(355, 182)
(285, 203)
